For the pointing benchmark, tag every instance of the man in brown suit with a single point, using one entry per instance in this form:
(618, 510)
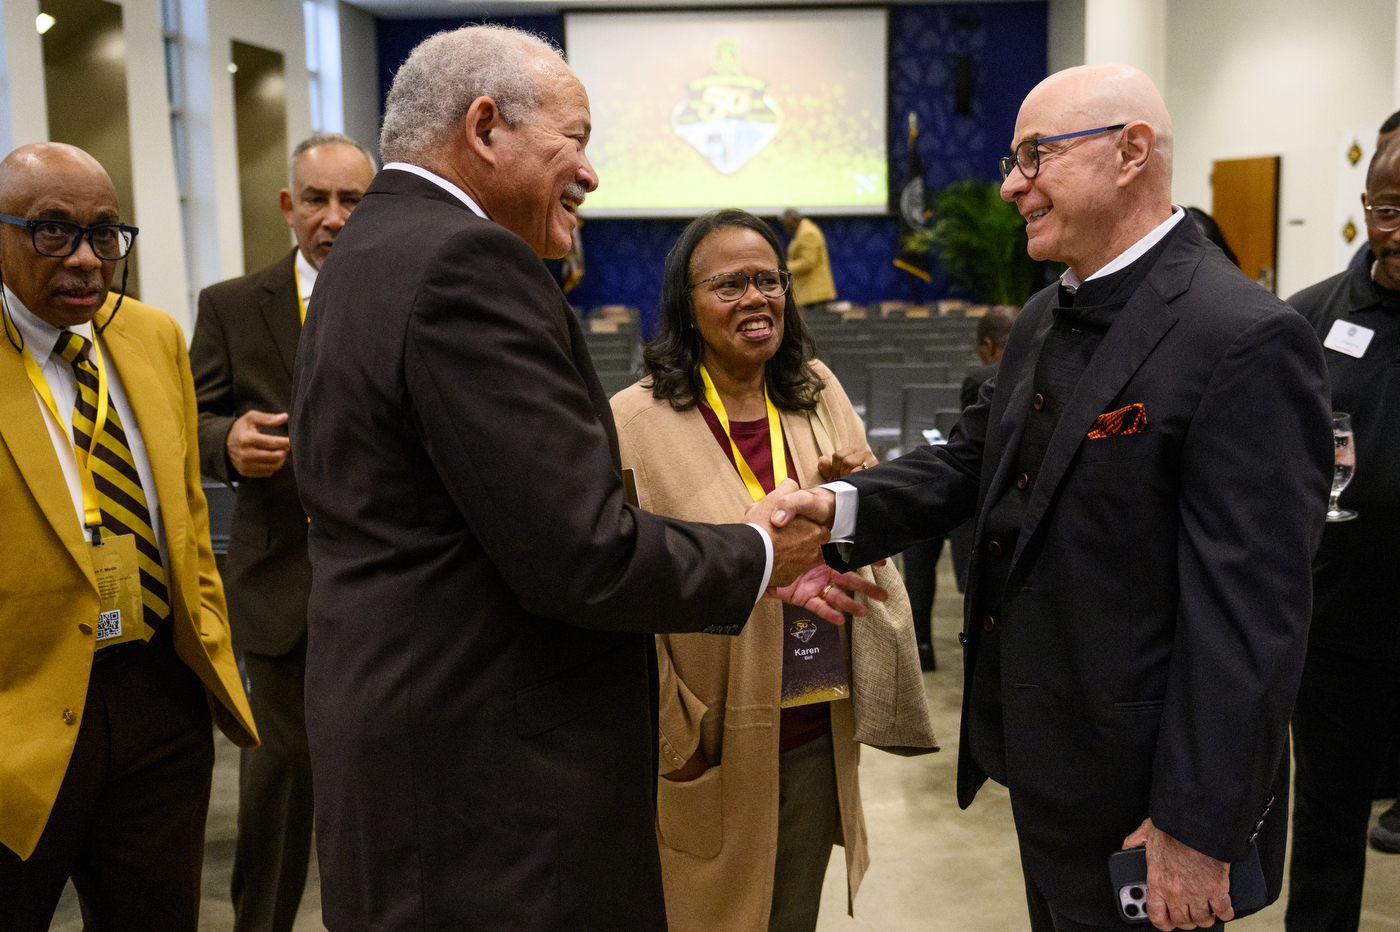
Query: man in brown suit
(245, 342)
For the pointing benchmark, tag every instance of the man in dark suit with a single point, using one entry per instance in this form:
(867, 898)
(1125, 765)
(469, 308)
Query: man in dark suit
(1148, 472)
(245, 343)
(481, 692)
(1349, 703)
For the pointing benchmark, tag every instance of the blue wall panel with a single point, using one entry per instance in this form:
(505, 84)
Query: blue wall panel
(1001, 47)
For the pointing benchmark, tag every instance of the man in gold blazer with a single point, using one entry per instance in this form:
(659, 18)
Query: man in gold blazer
(807, 259)
(106, 753)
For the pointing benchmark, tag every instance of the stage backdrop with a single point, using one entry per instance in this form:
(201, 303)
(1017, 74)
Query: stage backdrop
(963, 68)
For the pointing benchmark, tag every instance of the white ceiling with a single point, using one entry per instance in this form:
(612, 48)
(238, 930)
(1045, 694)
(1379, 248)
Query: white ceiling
(403, 9)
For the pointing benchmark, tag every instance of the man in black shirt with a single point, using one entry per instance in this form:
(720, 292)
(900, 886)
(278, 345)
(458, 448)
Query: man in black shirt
(1149, 478)
(1349, 702)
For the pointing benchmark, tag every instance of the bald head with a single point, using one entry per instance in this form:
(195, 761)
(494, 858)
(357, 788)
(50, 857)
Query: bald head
(1094, 194)
(53, 181)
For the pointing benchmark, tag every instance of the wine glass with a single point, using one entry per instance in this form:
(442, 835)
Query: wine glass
(1345, 464)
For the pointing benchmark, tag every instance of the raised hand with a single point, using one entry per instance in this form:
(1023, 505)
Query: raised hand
(1185, 888)
(826, 593)
(844, 462)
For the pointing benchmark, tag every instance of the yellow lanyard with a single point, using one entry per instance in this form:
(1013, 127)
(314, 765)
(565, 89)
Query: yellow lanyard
(301, 302)
(92, 512)
(775, 439)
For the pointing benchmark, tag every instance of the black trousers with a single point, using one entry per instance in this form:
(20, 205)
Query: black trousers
(1347, 710)
(128, 824)
(921, 581)
(275, 812)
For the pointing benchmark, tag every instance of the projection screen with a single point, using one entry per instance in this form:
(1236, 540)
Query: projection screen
(761, 110)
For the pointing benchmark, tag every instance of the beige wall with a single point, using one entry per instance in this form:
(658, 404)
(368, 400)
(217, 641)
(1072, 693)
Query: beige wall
(1279, 77)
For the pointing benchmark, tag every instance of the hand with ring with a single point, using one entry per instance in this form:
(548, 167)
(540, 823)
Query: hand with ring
(844, 462)
(827, 594)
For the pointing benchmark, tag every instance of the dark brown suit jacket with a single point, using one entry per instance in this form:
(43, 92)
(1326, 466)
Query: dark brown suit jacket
(244, 346)
(481, 686)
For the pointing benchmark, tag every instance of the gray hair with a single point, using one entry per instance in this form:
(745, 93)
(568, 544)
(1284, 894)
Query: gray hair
(324, 139)
(435, 87)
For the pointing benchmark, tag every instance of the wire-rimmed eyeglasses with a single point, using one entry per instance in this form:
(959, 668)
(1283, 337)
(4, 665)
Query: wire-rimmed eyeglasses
(1384, 217)
(59, 239)
(731, 286)
(1027, 156)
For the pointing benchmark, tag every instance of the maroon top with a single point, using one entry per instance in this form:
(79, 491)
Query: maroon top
(799, 724)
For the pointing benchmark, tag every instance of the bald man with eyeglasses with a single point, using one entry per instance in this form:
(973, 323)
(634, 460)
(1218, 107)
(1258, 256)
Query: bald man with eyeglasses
(114, 644)
(1148, 472)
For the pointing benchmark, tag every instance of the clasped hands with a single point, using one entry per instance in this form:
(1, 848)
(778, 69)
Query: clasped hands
(799, 522)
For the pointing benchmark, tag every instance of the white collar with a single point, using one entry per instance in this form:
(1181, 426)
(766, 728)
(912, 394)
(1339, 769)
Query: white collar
(306, 276)
(1130, 255)
(441, 182)
(38, 335)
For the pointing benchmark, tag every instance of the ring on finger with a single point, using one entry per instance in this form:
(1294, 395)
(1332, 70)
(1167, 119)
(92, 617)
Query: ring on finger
(825, 591)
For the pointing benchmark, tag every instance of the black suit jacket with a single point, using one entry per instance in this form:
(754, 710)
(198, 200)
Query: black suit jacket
(1153, 625)
(481, 696)
(244, 347)
(1356, 576)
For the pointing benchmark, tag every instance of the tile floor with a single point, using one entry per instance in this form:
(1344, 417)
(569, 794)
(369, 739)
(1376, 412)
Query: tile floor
(933, 867)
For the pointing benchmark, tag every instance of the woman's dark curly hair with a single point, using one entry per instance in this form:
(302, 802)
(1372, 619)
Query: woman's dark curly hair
(672, 360)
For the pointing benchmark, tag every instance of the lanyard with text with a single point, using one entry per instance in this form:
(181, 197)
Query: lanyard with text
(775, 439)
(92, 512)
(301, 302)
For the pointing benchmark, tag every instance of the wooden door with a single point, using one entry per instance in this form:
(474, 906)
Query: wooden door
(1244, 201)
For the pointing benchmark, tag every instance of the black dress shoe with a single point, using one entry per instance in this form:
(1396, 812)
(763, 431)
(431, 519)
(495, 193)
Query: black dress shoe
(927, 660)
(1385, 834)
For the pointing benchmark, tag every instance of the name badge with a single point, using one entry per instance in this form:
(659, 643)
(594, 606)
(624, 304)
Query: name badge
(814, 666)
(120, 618)
(1351, 339)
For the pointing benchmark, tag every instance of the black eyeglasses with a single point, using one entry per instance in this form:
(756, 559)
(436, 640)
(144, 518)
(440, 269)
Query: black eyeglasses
(731, 286)
(1383, 217)
(59, 239)
(1027, 157)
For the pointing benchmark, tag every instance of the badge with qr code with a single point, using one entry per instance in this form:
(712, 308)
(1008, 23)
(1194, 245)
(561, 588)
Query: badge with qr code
(119, 617)
(109, 624)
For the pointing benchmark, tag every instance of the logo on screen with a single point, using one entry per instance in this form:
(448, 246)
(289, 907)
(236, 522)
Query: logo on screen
(727, 115)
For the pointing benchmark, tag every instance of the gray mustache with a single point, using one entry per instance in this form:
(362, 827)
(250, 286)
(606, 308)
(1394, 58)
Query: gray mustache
(575, 192)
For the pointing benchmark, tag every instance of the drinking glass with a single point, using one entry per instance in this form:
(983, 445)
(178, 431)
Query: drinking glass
(1345, 464)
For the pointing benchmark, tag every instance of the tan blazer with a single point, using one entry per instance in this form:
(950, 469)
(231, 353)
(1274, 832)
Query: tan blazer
(718, 833)
(810, 266)
(46, 583)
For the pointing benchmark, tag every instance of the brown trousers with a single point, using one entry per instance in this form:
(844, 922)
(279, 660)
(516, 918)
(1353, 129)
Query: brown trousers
(128, 824)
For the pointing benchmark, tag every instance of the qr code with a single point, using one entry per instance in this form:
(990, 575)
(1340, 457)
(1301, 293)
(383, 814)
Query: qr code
(109, 624)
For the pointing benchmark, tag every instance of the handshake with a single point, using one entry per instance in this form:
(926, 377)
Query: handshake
(799, 522)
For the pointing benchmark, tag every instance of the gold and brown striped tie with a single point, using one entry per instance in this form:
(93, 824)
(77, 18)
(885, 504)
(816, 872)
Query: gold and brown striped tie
(119, 492)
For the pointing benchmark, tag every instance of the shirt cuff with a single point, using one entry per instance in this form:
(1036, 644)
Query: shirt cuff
(843, 521)
(767, 559)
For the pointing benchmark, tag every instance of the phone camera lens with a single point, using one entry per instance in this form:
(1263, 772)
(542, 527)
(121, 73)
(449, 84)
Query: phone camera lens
(1136, 893)
(1130, 910)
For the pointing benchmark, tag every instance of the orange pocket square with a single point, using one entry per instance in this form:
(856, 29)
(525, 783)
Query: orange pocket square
(1120, 423)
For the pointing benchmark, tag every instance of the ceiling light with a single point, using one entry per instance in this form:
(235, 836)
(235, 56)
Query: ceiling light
(232, 68)
(43, 22)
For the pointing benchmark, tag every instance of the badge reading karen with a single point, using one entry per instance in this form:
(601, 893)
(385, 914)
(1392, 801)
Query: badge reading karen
(814, 666)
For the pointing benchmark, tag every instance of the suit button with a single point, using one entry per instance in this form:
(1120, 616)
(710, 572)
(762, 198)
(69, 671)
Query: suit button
(1022, 481)
(994, 548)
(68, 717)
(962, 638)
(988, 623)
(85, 628)
(1039, 401)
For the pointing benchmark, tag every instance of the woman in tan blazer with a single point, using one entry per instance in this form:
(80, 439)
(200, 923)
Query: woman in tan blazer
(752, 796)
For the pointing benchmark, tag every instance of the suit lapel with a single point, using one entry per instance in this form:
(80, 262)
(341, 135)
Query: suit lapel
(1139, 328)
(280, 304)
(161, 427)
(26, 434)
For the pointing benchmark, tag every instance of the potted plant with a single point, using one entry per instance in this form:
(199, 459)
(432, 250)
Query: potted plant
(980, 241)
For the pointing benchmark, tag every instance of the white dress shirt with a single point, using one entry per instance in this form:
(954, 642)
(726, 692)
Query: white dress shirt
(40, 339)
(465, 198)
(306, 278)
(843, 523)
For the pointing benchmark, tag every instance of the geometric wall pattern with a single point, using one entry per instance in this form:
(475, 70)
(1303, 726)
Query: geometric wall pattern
(993, 53)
